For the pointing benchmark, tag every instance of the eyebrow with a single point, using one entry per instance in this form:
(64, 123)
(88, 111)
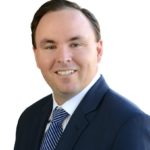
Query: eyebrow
(44, 41)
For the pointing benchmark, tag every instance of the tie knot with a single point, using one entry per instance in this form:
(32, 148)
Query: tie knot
(59, 115)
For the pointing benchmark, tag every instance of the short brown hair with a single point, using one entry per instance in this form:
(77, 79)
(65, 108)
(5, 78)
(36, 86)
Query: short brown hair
(55, 5)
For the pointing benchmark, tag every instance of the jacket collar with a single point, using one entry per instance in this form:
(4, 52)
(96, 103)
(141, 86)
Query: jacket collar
(79, 120)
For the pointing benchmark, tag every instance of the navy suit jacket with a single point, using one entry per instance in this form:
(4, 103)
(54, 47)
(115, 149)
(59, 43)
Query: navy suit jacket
(104, 120)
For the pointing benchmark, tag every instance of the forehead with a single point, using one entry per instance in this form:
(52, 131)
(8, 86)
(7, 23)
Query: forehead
(66, 22)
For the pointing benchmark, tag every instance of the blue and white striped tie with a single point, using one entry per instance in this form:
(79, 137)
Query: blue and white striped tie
(55, 130)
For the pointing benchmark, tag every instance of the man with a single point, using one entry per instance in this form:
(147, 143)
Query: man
(68, 47)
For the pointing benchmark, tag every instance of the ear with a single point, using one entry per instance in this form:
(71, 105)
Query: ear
(36, 56)
(99, 51)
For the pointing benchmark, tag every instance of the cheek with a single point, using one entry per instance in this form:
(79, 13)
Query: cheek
(82, 55)
(45, 62)
(46, 71)
(85, 63)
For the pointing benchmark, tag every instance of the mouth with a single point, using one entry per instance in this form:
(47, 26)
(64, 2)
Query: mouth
(66, 72)
(67, 75)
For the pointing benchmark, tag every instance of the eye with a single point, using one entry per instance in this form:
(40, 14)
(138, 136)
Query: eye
(75, 45)
(50, 47)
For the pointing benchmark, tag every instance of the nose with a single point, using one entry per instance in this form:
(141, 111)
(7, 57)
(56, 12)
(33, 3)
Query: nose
(63, 55)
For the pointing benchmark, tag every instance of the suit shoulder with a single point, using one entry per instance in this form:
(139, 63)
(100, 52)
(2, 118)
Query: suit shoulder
(38, 106)
(120, 107)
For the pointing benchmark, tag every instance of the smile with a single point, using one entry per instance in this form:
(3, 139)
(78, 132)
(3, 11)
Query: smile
(66, 73)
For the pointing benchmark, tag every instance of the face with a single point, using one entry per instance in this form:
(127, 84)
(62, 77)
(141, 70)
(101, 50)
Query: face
(67, 53)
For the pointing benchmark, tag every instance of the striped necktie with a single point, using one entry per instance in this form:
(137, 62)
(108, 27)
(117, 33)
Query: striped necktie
(55, 130)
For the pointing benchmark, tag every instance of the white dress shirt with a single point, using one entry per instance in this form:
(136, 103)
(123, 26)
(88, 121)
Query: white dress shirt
(70, 105)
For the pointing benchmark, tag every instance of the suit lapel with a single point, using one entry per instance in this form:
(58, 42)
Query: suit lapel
(79, 120)
(39, 126)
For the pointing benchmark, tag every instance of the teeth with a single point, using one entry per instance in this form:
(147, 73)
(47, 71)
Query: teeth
(66, 72)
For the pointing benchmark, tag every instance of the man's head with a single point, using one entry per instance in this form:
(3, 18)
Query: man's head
(67, 48)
